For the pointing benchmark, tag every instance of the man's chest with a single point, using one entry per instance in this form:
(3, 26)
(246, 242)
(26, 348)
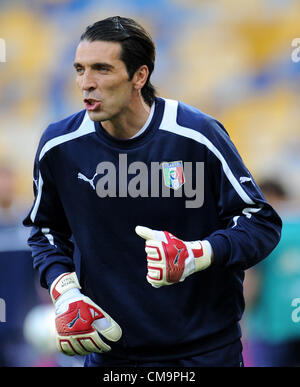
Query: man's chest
(161, 170)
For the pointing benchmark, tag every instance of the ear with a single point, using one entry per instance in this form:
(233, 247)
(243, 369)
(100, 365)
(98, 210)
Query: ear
(140, 77)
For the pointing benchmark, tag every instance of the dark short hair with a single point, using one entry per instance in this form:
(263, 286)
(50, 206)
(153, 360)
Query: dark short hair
(137, 46)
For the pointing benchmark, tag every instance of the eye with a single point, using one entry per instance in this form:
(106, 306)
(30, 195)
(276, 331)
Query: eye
(102, 68)
(79, 70)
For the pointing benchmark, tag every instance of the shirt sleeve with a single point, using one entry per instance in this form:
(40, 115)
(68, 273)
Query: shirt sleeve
(252, 228)
(50, 237)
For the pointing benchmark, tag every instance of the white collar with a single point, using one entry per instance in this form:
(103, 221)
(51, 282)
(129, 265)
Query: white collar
(145, 126)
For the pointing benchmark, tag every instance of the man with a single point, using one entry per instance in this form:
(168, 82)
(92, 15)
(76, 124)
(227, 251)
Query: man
(103, 192)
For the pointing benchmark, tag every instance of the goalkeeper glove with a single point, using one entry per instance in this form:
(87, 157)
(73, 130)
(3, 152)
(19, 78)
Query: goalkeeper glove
(78, 319)
(171, 260)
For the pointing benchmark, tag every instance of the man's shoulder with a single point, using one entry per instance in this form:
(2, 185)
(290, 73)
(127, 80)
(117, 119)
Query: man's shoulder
(192, 117)
(184, 115)
(64, 126)
(65, 130)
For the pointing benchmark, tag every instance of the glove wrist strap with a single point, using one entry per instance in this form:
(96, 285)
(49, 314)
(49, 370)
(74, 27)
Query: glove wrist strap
(62, 284)
(202, 251)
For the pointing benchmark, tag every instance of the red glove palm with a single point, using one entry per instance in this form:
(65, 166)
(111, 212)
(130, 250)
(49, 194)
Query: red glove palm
(79, 320)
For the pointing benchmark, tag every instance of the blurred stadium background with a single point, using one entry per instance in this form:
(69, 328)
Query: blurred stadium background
(232, 60)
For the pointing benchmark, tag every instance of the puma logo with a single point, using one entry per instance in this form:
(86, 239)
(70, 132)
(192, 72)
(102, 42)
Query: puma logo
(177, 255)
(72, 323)
(90, 181)
(243, 179)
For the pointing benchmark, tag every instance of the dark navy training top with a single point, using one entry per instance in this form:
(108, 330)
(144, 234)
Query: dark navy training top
(182, 174)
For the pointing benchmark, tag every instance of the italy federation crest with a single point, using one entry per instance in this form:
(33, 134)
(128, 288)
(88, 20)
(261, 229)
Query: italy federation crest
(173, 174)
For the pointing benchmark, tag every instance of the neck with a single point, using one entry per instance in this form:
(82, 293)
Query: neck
(126, 124)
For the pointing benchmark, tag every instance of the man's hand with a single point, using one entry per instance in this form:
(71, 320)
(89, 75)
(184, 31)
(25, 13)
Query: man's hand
(171, 260)
(79, 320)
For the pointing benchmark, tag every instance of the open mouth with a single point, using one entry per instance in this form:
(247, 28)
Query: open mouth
(91, 104)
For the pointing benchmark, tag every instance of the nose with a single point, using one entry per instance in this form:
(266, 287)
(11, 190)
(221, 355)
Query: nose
(87, 81)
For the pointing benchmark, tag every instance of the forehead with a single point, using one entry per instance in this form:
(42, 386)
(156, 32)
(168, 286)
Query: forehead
(97, 52)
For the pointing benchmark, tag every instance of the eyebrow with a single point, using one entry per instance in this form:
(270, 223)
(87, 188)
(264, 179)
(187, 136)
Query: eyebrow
(95, 66)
